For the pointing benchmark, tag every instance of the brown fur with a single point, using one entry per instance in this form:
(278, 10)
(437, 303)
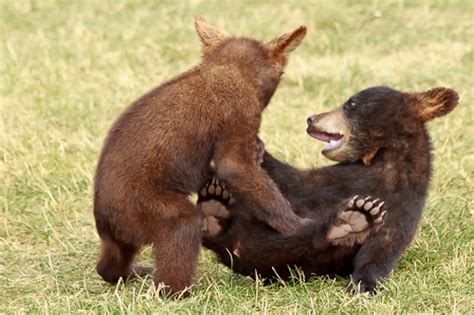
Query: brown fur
(159, 150)
(433, 103)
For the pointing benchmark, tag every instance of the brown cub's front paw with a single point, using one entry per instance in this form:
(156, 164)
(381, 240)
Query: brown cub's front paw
(216, 190)
(354, 224)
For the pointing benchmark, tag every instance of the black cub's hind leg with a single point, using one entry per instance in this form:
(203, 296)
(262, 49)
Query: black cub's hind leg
(116, 262)
(215, 190)
(360, 216)
(213, 201)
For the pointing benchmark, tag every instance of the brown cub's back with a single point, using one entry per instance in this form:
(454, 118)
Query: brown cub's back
(176, 124)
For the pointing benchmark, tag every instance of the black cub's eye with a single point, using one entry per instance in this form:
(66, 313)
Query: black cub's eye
(351, 104)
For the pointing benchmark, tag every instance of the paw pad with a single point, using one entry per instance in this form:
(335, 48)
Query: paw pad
(354, 223)
(214, 189)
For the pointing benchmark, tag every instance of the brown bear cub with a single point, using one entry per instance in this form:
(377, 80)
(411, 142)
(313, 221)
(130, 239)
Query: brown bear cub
(380, 139)
(159, 151)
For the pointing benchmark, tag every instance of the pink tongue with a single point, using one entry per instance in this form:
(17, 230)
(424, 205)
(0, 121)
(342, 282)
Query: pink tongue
(326, 136)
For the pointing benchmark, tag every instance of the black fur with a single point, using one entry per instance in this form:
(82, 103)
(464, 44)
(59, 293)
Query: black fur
(385, 122)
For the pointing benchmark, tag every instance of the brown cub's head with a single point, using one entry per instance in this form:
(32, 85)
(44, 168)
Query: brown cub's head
(262, 63)
(377, 118)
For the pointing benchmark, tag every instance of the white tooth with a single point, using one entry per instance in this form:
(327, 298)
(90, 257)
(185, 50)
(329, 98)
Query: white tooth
(332, 144)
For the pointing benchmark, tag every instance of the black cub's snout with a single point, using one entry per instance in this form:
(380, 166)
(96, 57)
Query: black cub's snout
(311, 119)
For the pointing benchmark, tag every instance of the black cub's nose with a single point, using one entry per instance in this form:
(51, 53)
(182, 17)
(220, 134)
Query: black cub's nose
(311, 119)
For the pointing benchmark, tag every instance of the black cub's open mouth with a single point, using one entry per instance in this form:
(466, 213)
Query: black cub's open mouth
(334, 140)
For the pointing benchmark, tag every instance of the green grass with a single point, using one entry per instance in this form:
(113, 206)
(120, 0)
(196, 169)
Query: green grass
(69, 67)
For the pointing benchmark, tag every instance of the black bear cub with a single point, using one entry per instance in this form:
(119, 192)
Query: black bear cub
(380, 139)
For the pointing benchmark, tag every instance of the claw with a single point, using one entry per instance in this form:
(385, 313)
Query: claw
(351, 202)
(380, 218)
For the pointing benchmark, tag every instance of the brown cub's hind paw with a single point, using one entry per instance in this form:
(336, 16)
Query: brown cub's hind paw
(216, 190)
(354, 224)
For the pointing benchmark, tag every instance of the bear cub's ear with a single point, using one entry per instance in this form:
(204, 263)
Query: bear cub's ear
(436, 102)
(209, 35)
(286, 43)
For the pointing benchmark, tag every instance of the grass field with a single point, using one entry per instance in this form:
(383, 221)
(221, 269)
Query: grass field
(69, 67)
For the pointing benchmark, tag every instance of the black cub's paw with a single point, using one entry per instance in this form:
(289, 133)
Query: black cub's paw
(354, 224)
(362, 287)
(216, 190)
(213, 199)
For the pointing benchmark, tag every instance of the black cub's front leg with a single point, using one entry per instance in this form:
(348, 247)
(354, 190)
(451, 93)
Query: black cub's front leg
(378, 256)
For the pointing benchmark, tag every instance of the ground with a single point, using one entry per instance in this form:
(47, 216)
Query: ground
(68, 68)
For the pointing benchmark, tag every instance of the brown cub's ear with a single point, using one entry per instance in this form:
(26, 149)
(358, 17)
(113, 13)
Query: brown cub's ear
(210, 37)
(286, 43)
(434, 103)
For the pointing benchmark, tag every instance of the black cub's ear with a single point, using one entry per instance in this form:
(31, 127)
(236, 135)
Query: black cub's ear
(436, 102)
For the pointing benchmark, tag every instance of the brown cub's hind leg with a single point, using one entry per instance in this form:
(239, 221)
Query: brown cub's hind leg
(116, 262)
(360, 216)
(176, 248)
